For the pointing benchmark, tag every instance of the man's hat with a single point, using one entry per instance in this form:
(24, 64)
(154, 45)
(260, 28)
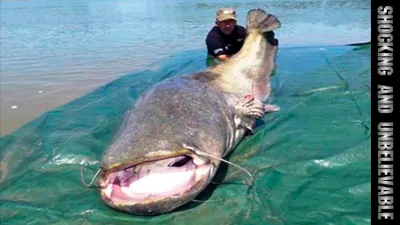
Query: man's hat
(226, 14)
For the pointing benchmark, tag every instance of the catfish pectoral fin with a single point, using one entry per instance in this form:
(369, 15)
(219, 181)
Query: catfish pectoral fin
(250, 107)
(271, 108)
(248, 123)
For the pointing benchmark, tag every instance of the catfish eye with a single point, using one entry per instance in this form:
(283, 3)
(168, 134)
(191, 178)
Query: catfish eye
(180, 162)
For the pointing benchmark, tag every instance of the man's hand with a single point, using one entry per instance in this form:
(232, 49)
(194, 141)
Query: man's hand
(270, 36)
(223, 57)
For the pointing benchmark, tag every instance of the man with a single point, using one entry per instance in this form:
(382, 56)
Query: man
(226, 38)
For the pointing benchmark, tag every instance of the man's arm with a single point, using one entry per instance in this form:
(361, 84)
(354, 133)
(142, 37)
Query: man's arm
(215, 47)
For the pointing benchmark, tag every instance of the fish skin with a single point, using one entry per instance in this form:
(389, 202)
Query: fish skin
(205, 112)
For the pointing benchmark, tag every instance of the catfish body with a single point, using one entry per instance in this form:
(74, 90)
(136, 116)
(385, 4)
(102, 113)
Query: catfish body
(167, 150)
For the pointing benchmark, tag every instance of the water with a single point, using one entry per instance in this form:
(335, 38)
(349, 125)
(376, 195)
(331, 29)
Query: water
(55, 51)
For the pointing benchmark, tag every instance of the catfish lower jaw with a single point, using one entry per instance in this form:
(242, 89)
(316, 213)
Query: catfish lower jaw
(156, 187)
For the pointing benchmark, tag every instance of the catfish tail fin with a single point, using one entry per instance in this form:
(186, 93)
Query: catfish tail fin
(259, 20)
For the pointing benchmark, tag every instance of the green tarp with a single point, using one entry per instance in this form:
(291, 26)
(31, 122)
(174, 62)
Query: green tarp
(311, 160)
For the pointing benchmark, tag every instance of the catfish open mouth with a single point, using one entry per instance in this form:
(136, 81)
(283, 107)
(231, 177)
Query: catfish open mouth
(154, 181)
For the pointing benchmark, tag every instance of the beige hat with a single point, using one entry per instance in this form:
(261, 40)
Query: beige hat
(226, 14)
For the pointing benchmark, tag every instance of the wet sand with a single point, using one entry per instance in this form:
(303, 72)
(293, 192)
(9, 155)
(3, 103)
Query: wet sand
(20, 105)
